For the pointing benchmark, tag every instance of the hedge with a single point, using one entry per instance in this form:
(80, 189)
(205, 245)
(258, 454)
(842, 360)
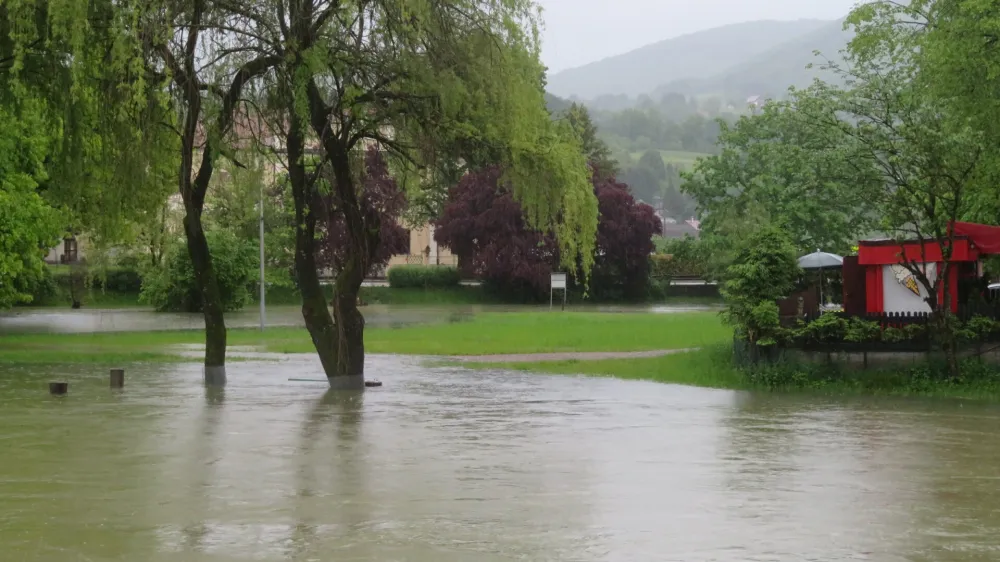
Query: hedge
(423, 276)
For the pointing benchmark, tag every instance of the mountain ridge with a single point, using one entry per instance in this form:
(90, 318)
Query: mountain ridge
(694, 56)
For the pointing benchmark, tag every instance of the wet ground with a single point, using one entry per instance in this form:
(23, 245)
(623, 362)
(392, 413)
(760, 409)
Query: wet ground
(140, 320)
(443, 464)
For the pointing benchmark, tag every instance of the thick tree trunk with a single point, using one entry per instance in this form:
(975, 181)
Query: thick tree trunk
(193, 193)
(211, 299)
(350, 323)
(315, 312)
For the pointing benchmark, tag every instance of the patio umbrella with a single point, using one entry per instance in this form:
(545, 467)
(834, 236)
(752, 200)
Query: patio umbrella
(820, 260)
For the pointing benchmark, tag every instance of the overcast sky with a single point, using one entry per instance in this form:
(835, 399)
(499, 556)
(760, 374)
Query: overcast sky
(582, 31)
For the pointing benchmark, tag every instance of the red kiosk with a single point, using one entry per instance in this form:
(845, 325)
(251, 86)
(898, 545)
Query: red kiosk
(889, 287)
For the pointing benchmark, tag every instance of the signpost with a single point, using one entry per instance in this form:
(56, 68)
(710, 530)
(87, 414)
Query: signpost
(558, 281)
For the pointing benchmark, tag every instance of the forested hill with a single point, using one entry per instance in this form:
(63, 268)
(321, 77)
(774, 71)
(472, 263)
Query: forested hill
(701, 55)
(771, 73)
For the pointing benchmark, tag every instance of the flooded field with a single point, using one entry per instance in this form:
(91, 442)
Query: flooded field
(442, 464)
(140, 320)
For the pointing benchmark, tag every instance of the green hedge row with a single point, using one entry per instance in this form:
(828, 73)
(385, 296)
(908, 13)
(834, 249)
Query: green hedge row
(423, 276)
(114, 279)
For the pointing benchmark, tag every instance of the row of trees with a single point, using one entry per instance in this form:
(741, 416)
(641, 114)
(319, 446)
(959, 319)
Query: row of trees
(114, 101)
(903, 148)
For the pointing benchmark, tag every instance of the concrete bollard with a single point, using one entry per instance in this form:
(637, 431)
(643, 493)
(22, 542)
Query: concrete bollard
(117, 378)
(58, 388)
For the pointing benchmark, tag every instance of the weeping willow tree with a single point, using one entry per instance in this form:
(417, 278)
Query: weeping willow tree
(83, 151)
(440, 87)
(203, 54)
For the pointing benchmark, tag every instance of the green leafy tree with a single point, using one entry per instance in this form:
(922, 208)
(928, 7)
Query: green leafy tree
(27, 222)
(69, 90)
(932, 160)
(763, 271)
(792, 166)
(441, 88)
(174, 287)
(596, 150)
(653, 160)
(208, 55)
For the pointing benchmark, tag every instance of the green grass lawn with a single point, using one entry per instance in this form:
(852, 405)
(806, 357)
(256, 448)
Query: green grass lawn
(485, 334)
(712, 367)
(680, 158)
(708, 367)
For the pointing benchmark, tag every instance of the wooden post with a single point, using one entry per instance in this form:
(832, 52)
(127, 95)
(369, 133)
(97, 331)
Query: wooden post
(58, 388)
(117, 378)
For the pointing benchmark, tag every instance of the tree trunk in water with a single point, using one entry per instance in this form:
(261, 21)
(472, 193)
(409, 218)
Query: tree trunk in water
(211, 299)
(317, 317)
(350, 323)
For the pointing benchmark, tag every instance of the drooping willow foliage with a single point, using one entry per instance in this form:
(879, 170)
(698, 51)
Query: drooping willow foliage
(78, 66)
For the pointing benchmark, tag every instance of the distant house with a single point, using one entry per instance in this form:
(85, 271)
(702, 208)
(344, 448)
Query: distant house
(673, 229)
(755, 103)
(70, 250)
(424, 250)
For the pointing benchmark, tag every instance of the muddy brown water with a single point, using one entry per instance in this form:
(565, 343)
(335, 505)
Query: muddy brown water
(443, 464)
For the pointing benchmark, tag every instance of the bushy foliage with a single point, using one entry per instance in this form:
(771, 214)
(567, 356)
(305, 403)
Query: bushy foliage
(172, 288)
(625, 232)
(383, 202)
(484, 226)
(686, 256)
(764, 270)
(423, 276)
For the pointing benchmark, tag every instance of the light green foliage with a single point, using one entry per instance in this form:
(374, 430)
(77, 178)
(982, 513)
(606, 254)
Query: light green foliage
(69, 91)
(172, 286)
(959, 65)
(790, 166)
(28, 225)
(233, 204)
(764, 271)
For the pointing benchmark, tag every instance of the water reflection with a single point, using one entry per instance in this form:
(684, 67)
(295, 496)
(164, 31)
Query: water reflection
(447, 465)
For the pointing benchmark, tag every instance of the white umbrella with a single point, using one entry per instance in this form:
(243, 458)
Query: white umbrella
(820, 260)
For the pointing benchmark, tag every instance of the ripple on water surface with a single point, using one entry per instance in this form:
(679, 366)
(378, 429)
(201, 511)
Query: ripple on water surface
(443, 464)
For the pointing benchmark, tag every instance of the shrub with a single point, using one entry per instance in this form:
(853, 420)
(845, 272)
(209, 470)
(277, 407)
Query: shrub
(679, 257)
(172, 288)
(423, 276)
(764, 271)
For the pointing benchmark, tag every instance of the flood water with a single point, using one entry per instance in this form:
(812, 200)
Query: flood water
(138, 319)
(443, 465)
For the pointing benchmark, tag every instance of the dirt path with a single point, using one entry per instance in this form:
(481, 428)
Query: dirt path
(571, 356)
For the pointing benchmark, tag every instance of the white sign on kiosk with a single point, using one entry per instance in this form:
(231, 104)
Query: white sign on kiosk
(558, 281)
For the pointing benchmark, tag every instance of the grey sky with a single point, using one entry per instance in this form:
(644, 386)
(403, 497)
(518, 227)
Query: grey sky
(581, 31)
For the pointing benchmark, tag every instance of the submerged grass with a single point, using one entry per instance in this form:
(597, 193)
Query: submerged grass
(712, 367)
(483, 334)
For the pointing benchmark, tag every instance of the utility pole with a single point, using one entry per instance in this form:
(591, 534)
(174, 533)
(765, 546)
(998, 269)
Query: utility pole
(262, 284)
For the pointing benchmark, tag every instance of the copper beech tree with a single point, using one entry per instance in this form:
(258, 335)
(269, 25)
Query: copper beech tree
(482, 224)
